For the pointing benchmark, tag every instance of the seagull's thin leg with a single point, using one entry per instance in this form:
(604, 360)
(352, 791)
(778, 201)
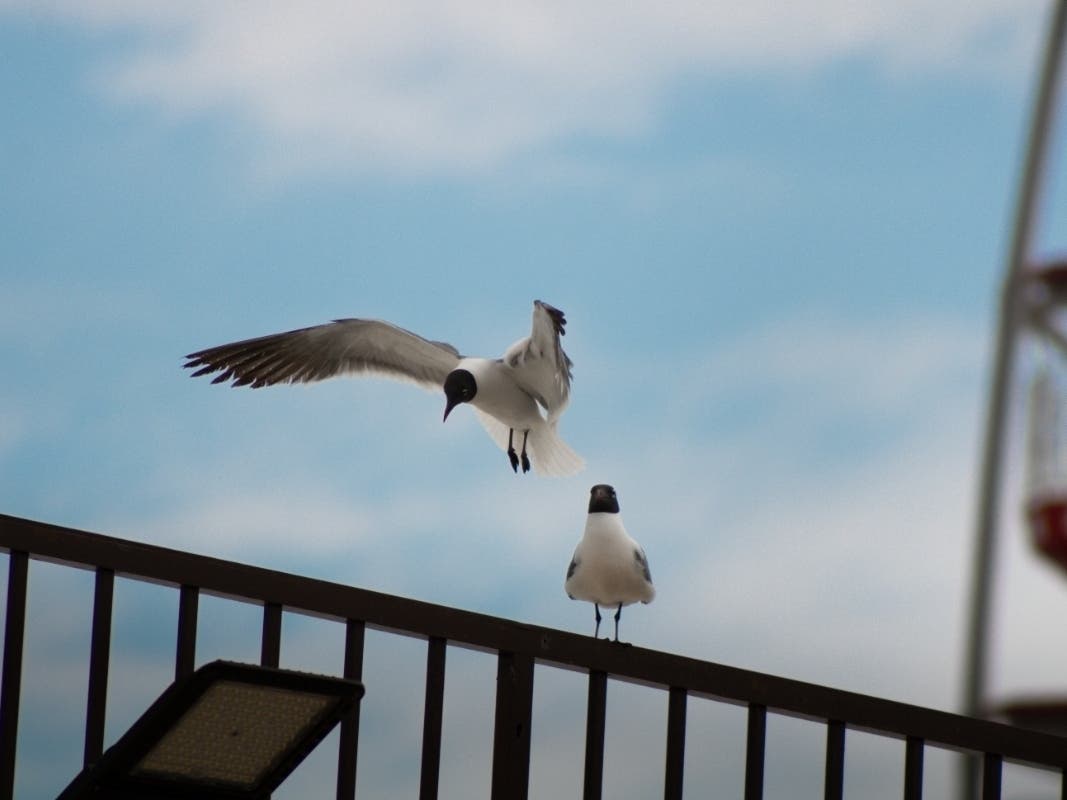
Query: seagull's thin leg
(596, 610)
(514, 459)
(618, 613)
(525, 460)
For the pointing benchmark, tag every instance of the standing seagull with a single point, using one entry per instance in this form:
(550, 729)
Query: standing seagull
(506, 392)
(608, 568)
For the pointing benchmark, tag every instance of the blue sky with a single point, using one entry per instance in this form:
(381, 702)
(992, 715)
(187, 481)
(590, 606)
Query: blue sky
(777, 235)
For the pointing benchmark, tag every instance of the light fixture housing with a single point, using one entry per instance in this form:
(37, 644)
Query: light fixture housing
(226, 731)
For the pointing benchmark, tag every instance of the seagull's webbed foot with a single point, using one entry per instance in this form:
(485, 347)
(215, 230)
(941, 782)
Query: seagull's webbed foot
(512, 456)
(525, 458)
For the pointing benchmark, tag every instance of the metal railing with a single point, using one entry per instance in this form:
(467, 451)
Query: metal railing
(518, 648)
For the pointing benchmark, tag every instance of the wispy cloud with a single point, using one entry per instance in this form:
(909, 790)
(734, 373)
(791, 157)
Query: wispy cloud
(824, 375)
(451, 86)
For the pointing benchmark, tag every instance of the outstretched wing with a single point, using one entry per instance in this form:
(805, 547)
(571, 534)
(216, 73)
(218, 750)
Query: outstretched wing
(541, 367)
(345, 346)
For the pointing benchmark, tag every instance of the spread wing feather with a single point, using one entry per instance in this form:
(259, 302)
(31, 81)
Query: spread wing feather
(541, 366)
(344, 346)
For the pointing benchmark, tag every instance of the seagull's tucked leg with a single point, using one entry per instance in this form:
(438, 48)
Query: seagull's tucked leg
(618, 613)
(525, 460)
(512, 457)
(596, 610)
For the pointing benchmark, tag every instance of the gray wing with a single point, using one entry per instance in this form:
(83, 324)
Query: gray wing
(570, 574)
(344, 346)
(541, 366)
(573, 566)
(642, 563)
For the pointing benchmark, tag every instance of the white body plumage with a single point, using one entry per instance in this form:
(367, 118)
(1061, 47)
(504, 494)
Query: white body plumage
(608, 568)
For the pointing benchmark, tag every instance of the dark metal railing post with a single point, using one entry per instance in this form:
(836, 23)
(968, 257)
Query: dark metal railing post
(11, 681)
(754, 751)
(834, 786)
(271, 647)
(348, 746)
(433, 716)
(270, 650)
(991, 769)
(185, 649)
(99, 659)
(511, 728)
(675, 771)
(596, 710)
(913, 768)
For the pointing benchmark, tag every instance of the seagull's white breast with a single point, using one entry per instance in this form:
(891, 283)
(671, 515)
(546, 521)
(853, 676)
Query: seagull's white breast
(500, 396)
(607, 568)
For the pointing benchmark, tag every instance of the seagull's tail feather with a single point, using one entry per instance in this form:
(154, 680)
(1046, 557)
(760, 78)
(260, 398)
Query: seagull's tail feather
(549, 454)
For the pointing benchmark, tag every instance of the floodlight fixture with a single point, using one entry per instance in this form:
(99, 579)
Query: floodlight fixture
(224, 732)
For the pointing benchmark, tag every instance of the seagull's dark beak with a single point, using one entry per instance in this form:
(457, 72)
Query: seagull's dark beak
(448, 408)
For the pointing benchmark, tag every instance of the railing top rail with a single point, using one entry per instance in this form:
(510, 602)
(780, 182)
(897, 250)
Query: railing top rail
(559, 648)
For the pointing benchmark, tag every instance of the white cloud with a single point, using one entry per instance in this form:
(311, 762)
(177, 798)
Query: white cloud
(416, 87)
(852, 576)
(878, 365)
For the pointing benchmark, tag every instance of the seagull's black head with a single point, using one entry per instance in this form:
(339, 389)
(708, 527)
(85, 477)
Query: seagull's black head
(602, 498)
(459, 388)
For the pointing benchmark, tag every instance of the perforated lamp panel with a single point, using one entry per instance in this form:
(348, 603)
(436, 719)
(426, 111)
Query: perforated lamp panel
(233, 734)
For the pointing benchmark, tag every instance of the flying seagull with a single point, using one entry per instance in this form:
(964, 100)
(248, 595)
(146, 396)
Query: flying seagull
(507, 393)
(608, 568)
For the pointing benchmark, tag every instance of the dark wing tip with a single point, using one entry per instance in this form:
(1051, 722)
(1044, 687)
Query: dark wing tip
(643, 563)
(572, 567)
(201, 362)
(558, 319)
(207, 367)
